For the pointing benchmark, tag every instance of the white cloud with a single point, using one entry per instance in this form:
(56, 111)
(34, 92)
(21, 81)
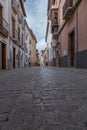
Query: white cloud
(36, 12)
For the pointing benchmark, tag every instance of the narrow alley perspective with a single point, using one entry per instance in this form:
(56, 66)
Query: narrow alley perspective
(43, 64)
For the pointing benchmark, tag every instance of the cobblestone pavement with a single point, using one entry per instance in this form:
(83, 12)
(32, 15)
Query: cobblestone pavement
(43, 98)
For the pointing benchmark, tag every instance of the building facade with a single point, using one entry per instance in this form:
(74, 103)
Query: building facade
(14, 35)
(52, 31)
(71, 33)
(74, 41)
(4, 34)
(33, 51)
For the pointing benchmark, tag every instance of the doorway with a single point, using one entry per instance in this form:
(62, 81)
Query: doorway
(13, 57)
(3, 56)
(72, 48)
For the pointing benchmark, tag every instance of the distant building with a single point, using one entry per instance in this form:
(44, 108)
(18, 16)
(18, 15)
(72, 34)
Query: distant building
(33, 51)
(43, 57)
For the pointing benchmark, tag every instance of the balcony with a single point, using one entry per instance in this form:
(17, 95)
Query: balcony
(20, 17)
(4, 27)
(14, 35)
(67, 9)
(55, 30)
(14, 5)
(53, 44)
(54, 21)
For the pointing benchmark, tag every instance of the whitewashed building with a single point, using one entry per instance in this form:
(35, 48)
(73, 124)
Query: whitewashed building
(52, 31)
(14, 44)
(16, 37)
(27, 44)
(49, 43)
(4, 34)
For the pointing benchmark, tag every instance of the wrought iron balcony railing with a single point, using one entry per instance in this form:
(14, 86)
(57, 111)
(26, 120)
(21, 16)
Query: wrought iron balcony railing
(14, 5)
(54, 21)
(4, 27)
(67, 9)
(55, 26)
(55, 30)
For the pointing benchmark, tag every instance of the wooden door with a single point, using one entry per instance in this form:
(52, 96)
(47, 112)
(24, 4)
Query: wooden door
(13, 28)
(13, 57)
(72, 48)
(3, 56)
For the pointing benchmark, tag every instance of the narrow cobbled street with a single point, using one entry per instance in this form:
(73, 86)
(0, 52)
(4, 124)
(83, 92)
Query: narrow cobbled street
(43, 98)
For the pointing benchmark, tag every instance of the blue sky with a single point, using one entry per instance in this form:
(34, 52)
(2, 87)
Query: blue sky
(37, 19)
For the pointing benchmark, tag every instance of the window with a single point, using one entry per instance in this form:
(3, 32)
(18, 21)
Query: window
(22, 39)
(13, 27)
(18, 34)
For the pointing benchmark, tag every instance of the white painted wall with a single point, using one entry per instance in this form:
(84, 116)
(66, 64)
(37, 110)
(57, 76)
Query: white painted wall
(27, 45)
(49, 41)
(7, 15)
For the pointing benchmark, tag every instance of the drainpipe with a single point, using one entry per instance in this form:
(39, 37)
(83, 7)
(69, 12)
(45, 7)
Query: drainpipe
(76, 46)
